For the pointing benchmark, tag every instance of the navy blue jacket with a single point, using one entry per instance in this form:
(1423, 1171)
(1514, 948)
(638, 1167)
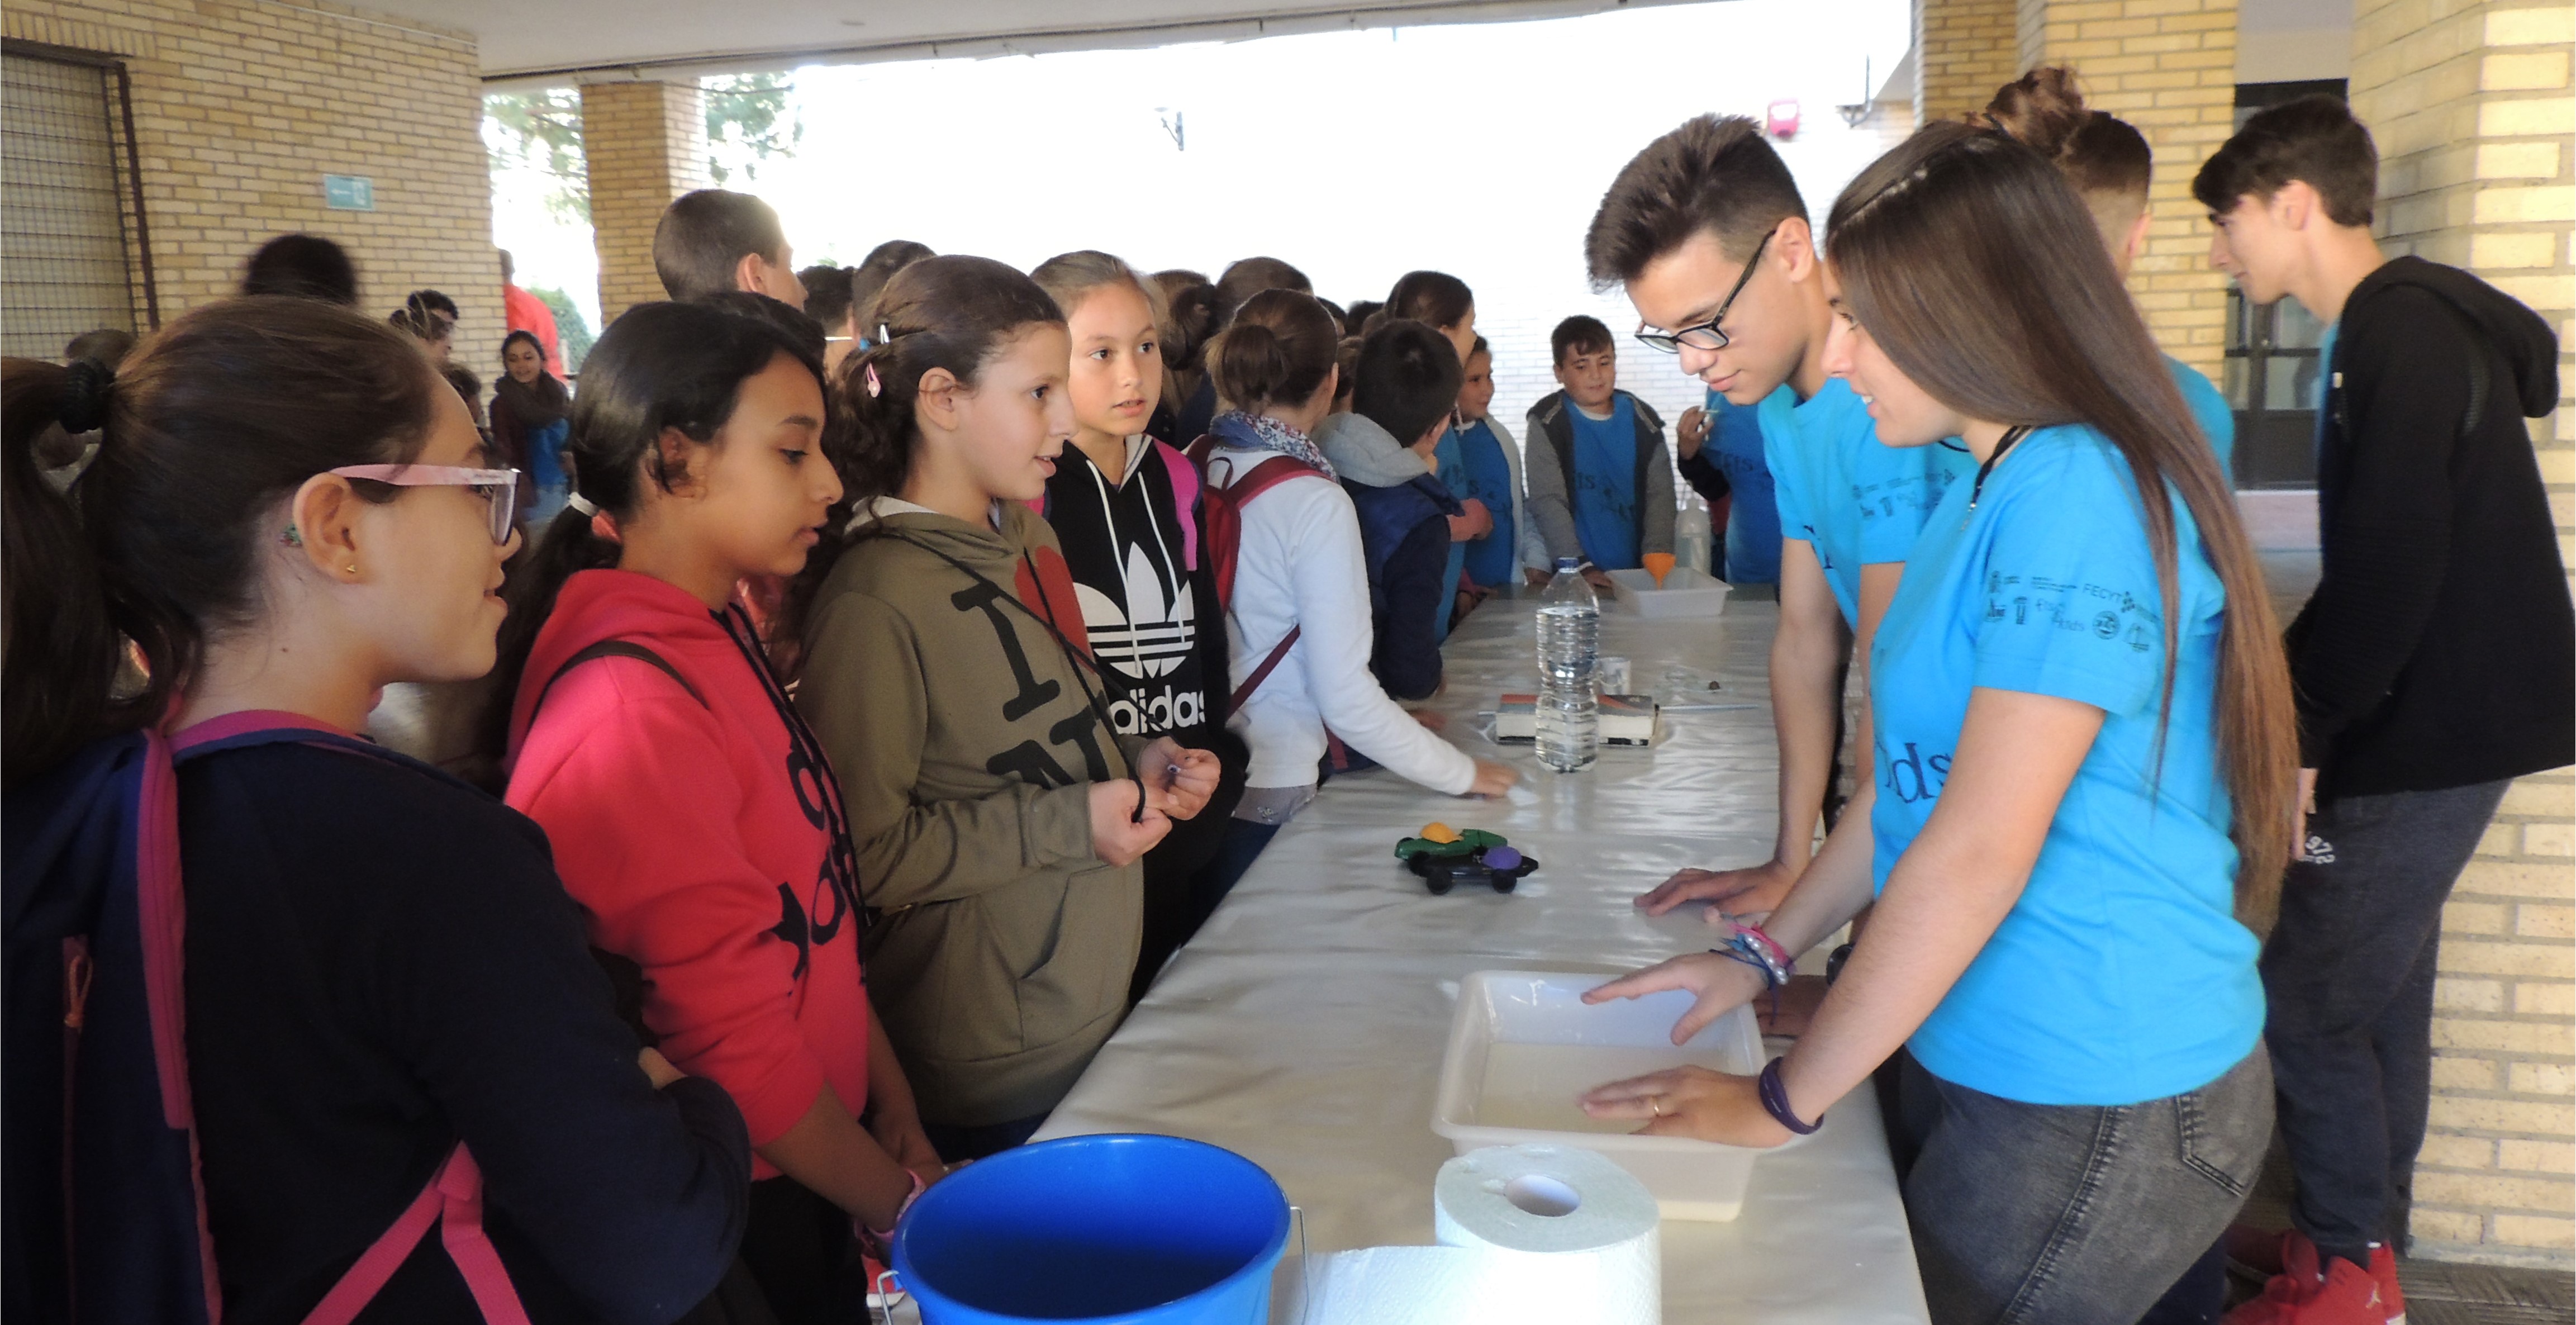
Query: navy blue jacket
(1404, 537)
(380, 961)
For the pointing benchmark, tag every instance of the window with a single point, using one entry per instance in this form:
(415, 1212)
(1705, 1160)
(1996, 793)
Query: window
(70, 219)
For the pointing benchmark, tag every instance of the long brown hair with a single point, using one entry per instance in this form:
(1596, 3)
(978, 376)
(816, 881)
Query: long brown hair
(952, 311)
(1974, 265)
(216, 419)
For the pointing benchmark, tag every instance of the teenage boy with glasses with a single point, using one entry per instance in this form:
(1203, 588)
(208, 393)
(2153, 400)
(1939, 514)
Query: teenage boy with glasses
(1706, 230)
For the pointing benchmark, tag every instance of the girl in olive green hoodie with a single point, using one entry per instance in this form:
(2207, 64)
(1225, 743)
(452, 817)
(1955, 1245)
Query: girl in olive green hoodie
(998, 815)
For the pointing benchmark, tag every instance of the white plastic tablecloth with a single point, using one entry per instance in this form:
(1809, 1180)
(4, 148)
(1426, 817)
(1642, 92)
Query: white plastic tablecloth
(1304, 1026)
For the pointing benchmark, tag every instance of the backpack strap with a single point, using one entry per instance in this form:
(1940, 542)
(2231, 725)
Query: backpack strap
(1185, 496)
(454, 1194)
(1278, 654)
(452, 1199)
(615, 648)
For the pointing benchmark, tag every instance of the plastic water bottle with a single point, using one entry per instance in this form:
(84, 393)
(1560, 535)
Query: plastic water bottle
(1691, 535)
(1569, 644)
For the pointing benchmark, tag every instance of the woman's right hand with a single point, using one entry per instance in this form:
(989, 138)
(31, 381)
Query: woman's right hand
(1118, 836)
(1720, 984)
(1493, 779)
(1749, 891)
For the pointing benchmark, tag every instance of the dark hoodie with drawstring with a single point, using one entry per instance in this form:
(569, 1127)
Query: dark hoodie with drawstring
(967, 734)
(2439, 649)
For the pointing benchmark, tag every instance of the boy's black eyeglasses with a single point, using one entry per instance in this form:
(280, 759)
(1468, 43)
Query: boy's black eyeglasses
(1706, 336)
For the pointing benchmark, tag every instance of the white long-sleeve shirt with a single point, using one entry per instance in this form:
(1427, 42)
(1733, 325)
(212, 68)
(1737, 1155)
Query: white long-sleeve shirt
(1300, 564)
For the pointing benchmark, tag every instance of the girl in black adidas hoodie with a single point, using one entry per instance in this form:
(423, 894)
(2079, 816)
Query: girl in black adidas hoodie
(1125, 507)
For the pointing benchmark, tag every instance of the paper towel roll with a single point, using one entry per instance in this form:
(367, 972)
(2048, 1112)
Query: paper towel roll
(1528, 1233)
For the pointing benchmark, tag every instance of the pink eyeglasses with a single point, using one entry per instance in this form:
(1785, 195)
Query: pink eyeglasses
(499, 487)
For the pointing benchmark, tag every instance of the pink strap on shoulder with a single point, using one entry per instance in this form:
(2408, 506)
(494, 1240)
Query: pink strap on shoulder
(452, 1199)
(162, 916)
(1185, 494)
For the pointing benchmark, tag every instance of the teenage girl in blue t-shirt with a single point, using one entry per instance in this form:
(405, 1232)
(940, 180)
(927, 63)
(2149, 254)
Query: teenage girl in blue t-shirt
(2085, 765)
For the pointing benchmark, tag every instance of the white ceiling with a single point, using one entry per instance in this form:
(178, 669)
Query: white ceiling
(560, 41)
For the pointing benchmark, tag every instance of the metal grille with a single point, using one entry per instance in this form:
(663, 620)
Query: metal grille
(64, 265)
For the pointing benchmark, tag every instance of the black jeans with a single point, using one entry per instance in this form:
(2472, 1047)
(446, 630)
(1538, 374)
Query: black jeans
(2349, 976)
(2051, 1214)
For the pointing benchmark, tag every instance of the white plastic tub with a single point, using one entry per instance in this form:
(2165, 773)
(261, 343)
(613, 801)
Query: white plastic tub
(1523, 1045)
(1685, 593)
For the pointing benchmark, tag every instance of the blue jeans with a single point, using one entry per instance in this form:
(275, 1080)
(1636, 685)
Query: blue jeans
(2044, 1214)
(2349, 977)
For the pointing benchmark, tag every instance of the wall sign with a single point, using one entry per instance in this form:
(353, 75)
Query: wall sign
(349, 193)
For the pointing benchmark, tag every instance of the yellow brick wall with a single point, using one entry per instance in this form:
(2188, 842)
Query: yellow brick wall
(2168, 67)
(646, 143)
(1963, 51)
(240, 108)
(2472, 107)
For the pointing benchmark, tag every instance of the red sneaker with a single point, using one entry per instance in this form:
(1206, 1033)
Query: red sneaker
(2383, 1270)
(2345, 1294)
(2294, 1280)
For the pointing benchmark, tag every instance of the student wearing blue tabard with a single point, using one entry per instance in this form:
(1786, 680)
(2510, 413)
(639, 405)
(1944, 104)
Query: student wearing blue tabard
(2085, 774)
(1601, 490)
(1706, 230)
(1720, 450)
(1449, 465)
(2110, 165)
(1491, 463)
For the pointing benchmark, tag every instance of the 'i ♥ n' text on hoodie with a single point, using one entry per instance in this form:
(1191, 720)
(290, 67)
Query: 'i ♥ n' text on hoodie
(967, 735)
(697, 831)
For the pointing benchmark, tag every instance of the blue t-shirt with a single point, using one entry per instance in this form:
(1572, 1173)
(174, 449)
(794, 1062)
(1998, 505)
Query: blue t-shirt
(1451, 469)
(2121, 975)
(2209, 410)
(1487, 477)
(1734, 444)
(1856, 501)
(1605, 484)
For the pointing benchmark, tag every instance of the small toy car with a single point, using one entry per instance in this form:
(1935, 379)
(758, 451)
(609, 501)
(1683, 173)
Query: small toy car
(1445, 857)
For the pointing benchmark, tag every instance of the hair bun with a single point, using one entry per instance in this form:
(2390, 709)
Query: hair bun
(2043, 109)
(85, 396)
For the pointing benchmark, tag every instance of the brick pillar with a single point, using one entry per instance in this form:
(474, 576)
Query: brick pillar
(1963, 51)
(2470, 105)
(2168, 67)
(646, 143)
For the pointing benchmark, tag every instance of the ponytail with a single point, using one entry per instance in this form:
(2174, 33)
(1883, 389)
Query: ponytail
(953, 312)
(1277, 352)
(214, 422)
(61, 651)
(659, 367)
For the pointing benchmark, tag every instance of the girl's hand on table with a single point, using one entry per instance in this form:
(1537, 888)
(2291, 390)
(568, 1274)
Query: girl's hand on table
(1720, 985)
(1692, 1102)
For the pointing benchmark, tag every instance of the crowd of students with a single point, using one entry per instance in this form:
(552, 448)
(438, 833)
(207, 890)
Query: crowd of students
(866, 679)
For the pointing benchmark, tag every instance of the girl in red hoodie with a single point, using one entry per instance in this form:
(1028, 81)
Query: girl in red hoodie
(692, 813)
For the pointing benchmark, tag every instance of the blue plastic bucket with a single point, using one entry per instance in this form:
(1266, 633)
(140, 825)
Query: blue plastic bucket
(1112, 1230)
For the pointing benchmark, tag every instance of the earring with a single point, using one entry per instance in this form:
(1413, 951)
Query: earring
(353, 568)
(293, 537)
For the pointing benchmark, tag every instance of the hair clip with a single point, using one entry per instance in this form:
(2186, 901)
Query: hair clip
(883, 335)
(875, 387)
(582, 504)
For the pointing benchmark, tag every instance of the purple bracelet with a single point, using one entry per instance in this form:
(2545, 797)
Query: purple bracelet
(1775, 1101)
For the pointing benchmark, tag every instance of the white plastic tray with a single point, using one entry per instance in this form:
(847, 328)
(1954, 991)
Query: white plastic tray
(1690, 1179)
(1685, 593)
